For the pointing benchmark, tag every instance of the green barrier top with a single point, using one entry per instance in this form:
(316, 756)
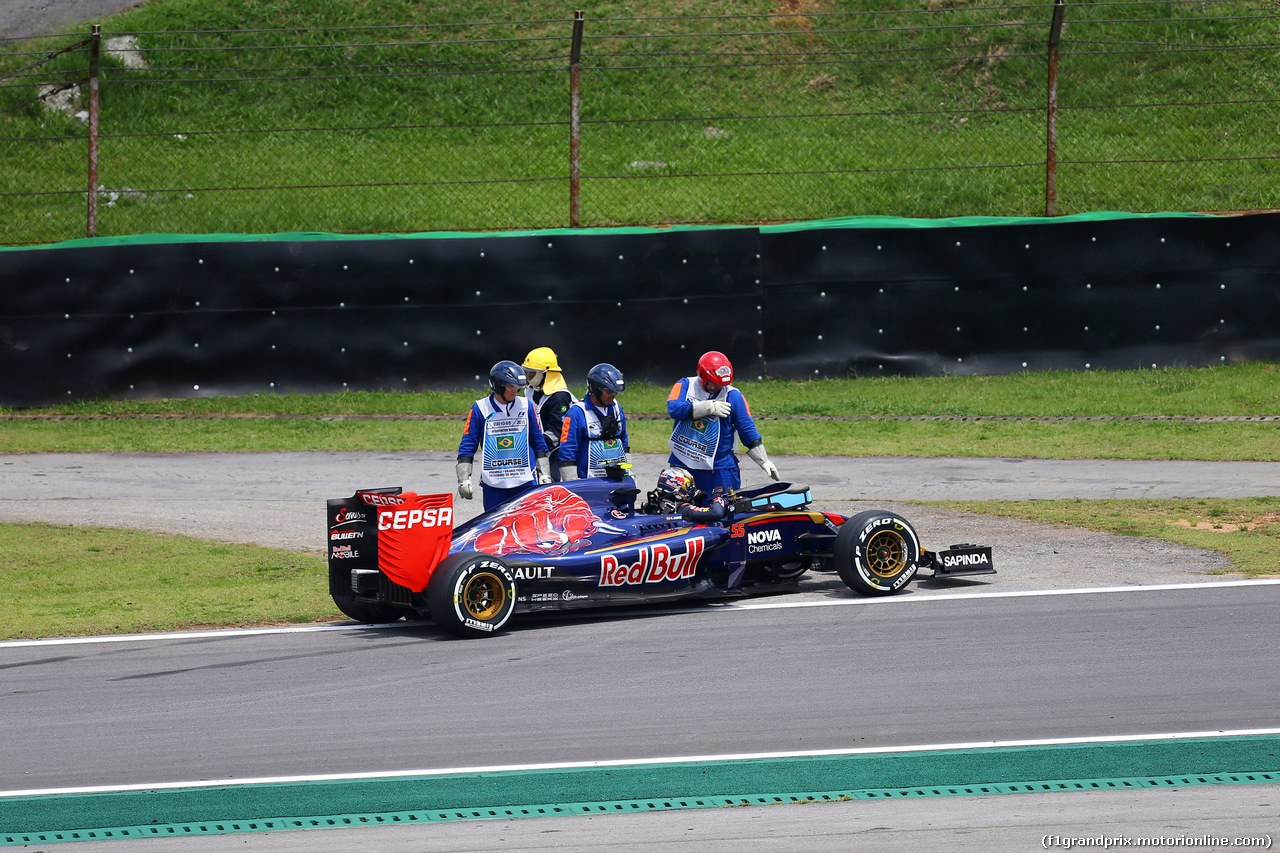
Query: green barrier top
(840, 222)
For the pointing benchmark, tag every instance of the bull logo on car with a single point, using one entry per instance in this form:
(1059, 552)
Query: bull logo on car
(549, 522)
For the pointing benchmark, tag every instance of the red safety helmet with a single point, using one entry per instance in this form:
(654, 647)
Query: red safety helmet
(714, 368)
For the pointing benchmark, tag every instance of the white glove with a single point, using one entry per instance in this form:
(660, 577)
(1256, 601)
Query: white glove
(761, 458)
(568, 472)
(464, 480)
(711, 408)
(544, 471)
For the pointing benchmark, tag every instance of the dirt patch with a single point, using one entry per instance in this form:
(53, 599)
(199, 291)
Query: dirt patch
(798, 7)
(1227, 526)
(796, 10)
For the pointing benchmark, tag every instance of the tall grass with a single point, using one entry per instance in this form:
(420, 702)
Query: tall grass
(291, 115)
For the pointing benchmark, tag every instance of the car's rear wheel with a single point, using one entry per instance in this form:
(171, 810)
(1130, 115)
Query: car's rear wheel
(471, 594)
(877, 552)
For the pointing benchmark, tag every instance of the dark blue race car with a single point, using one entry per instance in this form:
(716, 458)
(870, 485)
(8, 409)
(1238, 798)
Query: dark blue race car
(584, 544)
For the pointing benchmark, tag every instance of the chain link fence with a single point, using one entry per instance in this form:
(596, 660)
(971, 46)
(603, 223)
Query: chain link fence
(932, 111)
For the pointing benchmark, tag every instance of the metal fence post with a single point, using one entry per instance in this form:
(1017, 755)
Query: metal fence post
(95, 48)
(575, 101)
(1051, 153)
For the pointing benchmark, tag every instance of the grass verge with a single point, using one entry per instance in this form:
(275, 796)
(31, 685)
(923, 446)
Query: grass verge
(89, 581)
(1245, 389)
(944, 416)
(1211, 441)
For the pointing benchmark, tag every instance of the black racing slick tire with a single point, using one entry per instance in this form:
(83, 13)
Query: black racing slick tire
(877, 552)
(471, 594)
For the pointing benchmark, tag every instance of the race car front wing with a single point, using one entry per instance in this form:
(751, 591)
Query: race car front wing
(959, 560)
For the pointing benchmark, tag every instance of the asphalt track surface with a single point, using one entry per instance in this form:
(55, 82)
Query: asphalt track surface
(696, 682)
(949, 663)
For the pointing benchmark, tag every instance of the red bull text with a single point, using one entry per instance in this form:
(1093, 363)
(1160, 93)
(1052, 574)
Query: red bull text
(655, 564)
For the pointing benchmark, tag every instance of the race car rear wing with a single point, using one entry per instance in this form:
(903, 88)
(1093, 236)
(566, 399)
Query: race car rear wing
(401, 534)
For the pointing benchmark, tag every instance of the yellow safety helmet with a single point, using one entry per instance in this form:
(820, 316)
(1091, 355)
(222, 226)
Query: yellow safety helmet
(542, 358)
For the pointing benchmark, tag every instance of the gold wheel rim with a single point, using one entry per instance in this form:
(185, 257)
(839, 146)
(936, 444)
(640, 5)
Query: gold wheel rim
(484, 596)
(886, 554)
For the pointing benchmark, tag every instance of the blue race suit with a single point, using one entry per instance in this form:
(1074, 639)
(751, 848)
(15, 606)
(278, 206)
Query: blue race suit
(715, 510)
(590, 440)
(705, 445)
(508, 440)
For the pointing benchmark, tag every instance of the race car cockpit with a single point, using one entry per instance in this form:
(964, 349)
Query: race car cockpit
(676, 494)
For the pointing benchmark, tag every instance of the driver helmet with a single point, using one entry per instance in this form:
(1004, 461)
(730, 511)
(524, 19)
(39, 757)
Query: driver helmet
(537, 363)
(506, 373)
(604, 377)
(714, 369)
(675, 486)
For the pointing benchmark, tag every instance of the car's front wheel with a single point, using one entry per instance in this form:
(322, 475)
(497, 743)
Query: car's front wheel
(877, 552)
(471, 594)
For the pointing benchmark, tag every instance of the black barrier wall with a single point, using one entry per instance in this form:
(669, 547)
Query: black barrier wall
(1082, 293)
(181, 317)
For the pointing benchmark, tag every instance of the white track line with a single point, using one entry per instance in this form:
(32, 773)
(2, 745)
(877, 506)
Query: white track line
(1030, 593)
(636, 762)
(194, 635)
(709, 607)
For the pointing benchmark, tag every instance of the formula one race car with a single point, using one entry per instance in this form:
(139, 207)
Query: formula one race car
(583, 544)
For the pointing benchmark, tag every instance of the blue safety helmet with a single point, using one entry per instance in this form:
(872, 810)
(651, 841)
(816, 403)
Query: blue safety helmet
(675, 484)
(604, 377)
(506, 373)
